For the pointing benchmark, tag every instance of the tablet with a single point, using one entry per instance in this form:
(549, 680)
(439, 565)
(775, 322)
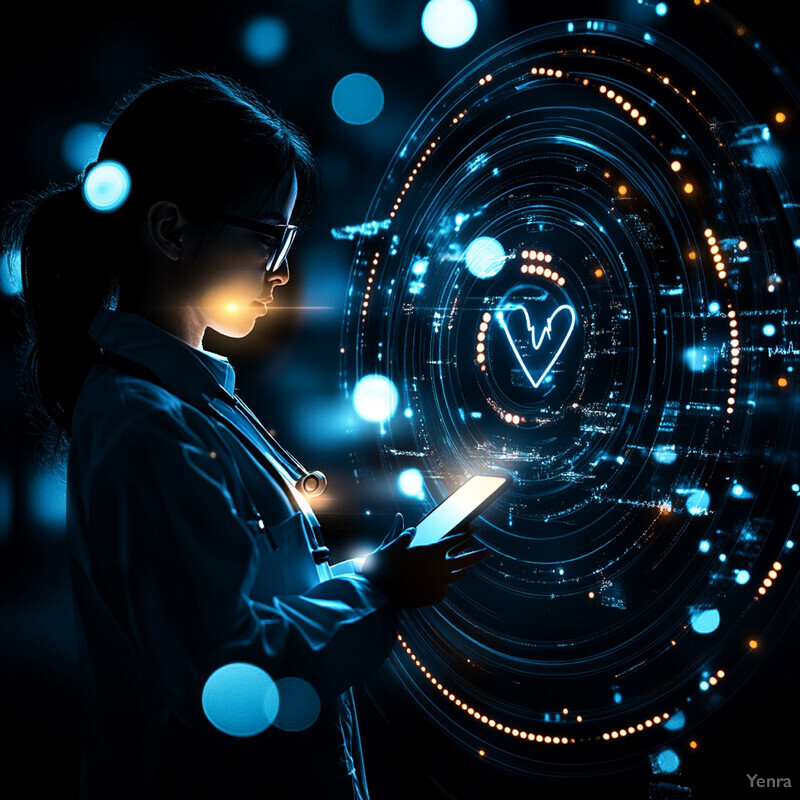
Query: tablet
(464, 504)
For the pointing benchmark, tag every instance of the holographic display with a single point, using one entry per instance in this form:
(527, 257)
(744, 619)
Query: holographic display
(581, 266)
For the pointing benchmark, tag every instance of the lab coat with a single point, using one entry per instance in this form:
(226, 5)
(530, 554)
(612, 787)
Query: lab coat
(173, 577)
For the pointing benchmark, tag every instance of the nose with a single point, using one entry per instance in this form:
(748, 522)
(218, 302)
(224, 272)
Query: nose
(281, 275)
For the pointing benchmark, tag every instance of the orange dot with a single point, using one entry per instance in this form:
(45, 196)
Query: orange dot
(692, 255)
(676, 165)
(693, 745)
(782, 382)
(780, 117)
(688, 188)
(753, 644)
(623, 190)
(598, 273)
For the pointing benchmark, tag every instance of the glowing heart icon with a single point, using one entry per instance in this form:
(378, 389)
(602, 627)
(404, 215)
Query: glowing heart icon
(501, 315)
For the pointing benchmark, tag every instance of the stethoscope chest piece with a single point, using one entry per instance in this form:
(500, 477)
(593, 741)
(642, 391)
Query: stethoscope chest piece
(312, 484)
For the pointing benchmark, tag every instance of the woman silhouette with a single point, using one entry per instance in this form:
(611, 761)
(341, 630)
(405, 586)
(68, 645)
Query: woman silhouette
(192, 552)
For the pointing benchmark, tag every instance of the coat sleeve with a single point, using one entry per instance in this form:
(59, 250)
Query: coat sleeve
(174, 563)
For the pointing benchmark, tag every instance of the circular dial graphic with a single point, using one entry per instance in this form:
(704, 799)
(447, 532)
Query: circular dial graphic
(581, 268)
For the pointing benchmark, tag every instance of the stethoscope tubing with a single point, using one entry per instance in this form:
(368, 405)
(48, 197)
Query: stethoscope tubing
(319, 552)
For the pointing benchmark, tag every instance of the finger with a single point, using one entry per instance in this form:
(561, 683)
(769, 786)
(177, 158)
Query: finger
(462, 548)
(452, 540)
(397, 526)
(404, 539)
(468, 526)
(468, 559)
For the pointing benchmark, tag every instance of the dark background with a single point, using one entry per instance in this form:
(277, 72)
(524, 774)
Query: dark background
(69, 65)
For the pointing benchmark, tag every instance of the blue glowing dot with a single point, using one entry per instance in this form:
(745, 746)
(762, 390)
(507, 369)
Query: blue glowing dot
(81, 144)
(713, 307)
(665, 454)
(704, 686)
(768, 330)
(570, 27)
(299, 705)
(106, 186)
(742, 576)
(738, 490)
(797, 243)
(617, 697)
(765, 134)
(410, 482)
(789, 544)
(11, 272)
(697, 502)
(449, 23)
(375, 398)
(704, 546)
(357, 99)
(668, 761)
(408, 413)
(796, 487)
(723, 557)
(676, 722)
(620, 460)
(420, 267)
(661, 9)
(240, 699)
(265, 40)
(47, 498)
(485, 257)
(705, 621)
(697, 359)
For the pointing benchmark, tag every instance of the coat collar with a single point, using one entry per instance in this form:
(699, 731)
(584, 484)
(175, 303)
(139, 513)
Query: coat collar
(192, 374)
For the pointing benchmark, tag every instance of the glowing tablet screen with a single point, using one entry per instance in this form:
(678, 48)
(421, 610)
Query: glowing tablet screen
(466, 501)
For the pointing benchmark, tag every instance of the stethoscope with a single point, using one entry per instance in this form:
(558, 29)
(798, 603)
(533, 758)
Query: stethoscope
(311, 484)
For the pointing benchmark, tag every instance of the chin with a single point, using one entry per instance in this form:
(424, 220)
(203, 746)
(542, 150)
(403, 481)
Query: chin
(234, 328)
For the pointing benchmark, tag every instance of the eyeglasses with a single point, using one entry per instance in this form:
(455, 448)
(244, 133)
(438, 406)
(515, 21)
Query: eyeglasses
(277, 236)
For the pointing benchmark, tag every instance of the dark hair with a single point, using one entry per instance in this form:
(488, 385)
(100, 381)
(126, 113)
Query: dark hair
(198, 139)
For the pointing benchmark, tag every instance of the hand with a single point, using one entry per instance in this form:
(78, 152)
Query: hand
(419, 576)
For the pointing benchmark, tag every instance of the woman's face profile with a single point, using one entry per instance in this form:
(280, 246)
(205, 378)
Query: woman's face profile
(232, 287)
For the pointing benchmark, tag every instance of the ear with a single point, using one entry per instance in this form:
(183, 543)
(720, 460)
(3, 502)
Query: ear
(166, 228)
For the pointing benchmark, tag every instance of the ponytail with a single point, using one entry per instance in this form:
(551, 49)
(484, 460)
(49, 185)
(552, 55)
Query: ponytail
(68, 268)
